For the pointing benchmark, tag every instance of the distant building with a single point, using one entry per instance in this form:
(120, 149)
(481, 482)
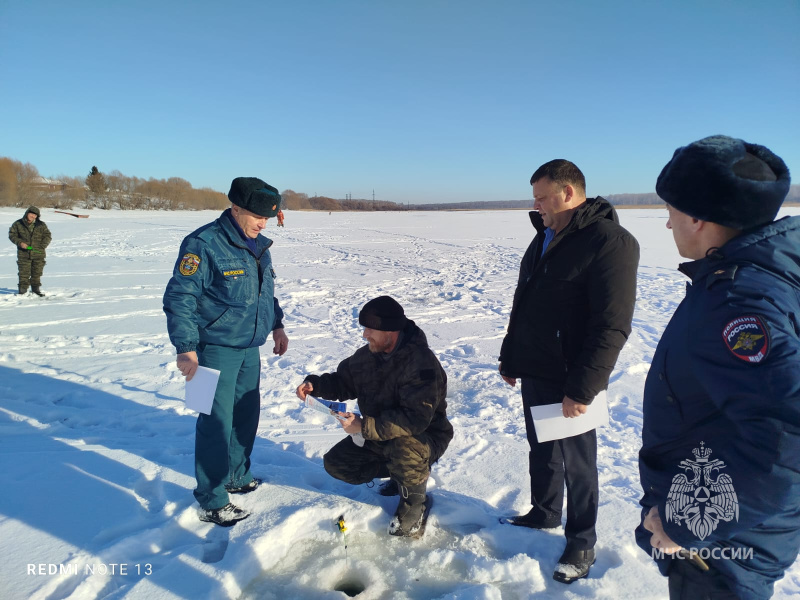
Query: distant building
(43, 183)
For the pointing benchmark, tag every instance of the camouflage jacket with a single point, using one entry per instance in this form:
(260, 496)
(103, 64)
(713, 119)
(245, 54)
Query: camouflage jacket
(36, 235)
(399, 394)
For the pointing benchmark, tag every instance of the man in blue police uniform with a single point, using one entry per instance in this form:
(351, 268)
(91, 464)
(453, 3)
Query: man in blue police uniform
(220, 308)
(720, 457)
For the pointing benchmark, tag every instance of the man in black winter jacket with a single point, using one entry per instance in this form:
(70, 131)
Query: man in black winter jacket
(401, 390)
(571, 316)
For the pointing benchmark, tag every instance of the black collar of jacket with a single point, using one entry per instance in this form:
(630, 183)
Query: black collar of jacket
(712, 264)
(411, 334)
(591, 211)
(722, 263)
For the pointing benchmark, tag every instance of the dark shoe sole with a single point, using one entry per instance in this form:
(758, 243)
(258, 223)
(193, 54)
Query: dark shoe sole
(224, 523)
(246, 489)
(226, 516)
(388, 488)
(517, 522)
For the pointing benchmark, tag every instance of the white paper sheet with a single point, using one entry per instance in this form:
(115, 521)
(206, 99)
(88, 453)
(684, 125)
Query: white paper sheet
(201, 389)
(324, 406)
(551, 424)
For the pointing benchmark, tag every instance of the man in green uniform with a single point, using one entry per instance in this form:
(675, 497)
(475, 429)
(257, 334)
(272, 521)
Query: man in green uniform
(31, 236)
(220, 307)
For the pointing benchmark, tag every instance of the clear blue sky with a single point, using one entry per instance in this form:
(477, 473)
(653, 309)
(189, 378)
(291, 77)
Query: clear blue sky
(420, 100)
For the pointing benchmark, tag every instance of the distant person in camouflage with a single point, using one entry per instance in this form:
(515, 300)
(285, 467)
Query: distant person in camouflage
(400, 387)
(31, 236)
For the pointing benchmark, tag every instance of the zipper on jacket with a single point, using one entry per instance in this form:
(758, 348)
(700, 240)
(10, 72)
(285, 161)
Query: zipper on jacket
(560, 344)
(258, 299)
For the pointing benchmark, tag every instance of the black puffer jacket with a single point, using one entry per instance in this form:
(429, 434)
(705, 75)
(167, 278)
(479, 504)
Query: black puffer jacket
(399, 395)
(573, 306)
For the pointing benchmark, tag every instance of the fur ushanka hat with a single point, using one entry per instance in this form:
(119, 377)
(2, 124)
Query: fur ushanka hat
(725, 180)
(255, 195)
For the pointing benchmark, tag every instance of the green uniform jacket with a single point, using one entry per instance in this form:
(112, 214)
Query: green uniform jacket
(221, 293)
(36, 235)
(400, 394)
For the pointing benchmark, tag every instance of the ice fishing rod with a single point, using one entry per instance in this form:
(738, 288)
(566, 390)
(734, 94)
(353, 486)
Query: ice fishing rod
(32, 249)
(343, 529)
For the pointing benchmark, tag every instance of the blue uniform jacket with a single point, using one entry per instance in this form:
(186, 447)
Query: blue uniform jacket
(724, 385)
(221, 292)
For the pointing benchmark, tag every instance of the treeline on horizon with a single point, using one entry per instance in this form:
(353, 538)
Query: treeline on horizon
(21, 185)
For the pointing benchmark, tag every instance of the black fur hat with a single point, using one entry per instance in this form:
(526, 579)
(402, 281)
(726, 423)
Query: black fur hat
(255, 195)
(383, 313)
(725, 180)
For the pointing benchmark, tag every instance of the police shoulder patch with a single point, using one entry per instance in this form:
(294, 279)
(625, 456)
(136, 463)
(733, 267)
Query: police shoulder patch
(747, 337)
(189, 264)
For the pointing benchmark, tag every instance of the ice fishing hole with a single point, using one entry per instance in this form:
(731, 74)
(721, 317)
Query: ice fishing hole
(350, 586)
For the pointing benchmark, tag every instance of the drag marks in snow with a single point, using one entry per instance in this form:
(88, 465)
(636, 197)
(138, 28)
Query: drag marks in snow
(88, 319)
(93, 405)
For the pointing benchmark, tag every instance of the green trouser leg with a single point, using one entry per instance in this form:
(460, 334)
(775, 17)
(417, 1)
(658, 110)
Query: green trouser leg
(37, 268)
(24, 268)
(407, 460)
(224, 439)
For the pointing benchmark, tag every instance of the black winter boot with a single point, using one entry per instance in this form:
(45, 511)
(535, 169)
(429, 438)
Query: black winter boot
(574, 565)
(37, 290)
(23, 290)
(535, 519)
(389, 488)
(410, 516)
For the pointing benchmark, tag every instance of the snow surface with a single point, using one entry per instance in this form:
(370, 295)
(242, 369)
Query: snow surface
(96, 447)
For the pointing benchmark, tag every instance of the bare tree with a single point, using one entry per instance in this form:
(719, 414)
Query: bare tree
(27, 174)
(295, 200)
(8, 182)
(177, 190)
(75, 192)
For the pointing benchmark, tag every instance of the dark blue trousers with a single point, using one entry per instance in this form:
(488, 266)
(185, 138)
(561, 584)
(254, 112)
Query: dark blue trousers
(224, 439)
(552, 464)
(687, 582)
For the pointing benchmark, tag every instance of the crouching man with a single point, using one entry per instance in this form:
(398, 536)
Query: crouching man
(400, 387)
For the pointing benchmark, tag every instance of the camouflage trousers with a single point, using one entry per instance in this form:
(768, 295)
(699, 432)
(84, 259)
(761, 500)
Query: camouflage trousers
(405, 459)
(30, 272)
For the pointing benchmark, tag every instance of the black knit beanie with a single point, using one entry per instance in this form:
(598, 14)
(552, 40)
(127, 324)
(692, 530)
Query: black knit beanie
(383, 314)
(725, 180)
(255, 195)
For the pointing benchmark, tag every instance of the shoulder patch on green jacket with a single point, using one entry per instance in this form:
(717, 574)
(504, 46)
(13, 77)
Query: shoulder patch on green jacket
(189, 264)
